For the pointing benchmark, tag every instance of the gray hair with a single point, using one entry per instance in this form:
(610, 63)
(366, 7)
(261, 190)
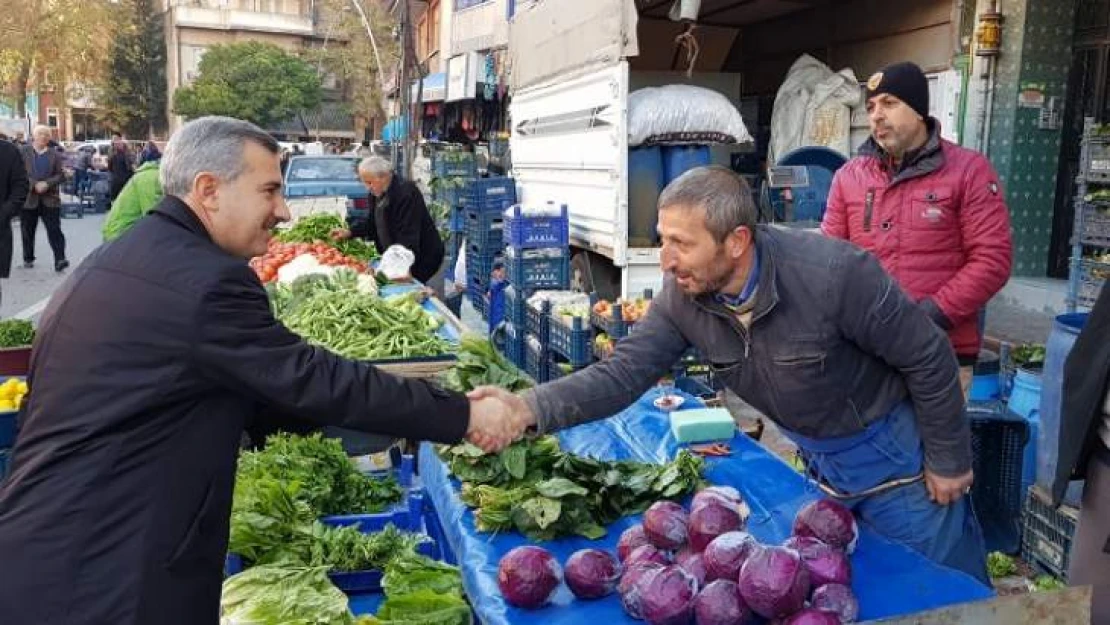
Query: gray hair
(376, 166)
(723, 194)
(209, 144)
(42, 130)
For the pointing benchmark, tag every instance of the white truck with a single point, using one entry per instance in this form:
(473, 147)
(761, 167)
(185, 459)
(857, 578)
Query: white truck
(574, 63)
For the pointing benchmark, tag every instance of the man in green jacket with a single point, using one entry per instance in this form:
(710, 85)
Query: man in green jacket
(141, 193)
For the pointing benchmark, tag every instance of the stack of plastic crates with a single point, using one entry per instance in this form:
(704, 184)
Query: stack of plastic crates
(484, 201)
(1090, 256)
(1047, 533)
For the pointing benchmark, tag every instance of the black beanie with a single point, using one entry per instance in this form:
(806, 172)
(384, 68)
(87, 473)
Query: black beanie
(904, 81)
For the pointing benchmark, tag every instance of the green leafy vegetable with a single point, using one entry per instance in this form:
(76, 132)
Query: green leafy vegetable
(410, 573)
(479, 364)
(1028, 355)
(348, 548)
(544, 493)
(272, 595)
(16, 333)
(319, 227)
(1047, 583)
(1000, 565)
(423, 607)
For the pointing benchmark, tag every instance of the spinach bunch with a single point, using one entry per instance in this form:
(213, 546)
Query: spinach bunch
(479, 364)
(16, 333)
(535, 488)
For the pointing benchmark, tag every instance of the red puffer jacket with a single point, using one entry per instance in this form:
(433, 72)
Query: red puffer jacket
(939, 226)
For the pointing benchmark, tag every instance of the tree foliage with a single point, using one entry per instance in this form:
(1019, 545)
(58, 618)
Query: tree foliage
(69, 39)
(348, 52)
(132, 94)
(255, 81)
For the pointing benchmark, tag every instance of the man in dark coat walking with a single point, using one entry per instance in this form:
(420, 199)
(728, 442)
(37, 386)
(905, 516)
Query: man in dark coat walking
(13, 193)
(400, 217)
(45, 174)
(149, 362)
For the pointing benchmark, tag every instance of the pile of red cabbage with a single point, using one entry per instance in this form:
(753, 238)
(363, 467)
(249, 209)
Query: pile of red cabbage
(701, 568)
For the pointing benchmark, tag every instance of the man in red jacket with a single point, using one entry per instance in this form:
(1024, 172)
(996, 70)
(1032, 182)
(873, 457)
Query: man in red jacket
(931, 211)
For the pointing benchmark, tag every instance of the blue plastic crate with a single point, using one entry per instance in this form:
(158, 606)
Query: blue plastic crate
(451, 193)
(614, 324)
(556, 367)
(7, 428)
(477, 297)
(436, 533)
(483, 231)
(457, 221)
(528, 232)
(539, 269)
(479, 264)
(535, 359)
(513, 345)
(514, 308)
(572, 341)
(490, 194)
(454, 165)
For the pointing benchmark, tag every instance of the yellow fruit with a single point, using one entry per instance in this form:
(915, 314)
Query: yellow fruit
(19, 401)
(23, 388)
(7, 404)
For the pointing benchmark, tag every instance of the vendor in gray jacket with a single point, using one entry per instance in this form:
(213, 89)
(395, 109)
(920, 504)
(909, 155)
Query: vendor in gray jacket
(815, 335)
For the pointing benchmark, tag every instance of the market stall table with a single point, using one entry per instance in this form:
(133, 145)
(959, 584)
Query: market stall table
(889, 579)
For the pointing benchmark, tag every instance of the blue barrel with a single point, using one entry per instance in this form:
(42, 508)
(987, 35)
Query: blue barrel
(984, 385)
(678, 159)
(1065, 330)
(1025, 402)
(645, 183)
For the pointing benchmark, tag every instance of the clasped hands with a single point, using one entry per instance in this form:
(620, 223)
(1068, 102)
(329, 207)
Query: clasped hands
(497, 418)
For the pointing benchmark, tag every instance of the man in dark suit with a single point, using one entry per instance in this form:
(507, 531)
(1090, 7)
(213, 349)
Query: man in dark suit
(13, 193)
(44, 170)
(148, 364)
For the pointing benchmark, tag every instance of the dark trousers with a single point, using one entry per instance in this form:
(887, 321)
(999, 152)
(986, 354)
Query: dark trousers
(1090, 549)
(52, 220)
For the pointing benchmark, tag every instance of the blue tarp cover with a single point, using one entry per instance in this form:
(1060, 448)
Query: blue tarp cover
(889, 579)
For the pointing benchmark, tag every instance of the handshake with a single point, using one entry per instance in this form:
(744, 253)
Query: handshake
(497, 418)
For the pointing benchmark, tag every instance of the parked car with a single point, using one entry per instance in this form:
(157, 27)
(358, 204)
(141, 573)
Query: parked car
(323, 176)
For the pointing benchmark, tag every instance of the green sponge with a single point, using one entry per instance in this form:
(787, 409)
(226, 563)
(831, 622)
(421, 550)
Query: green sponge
(702, 424)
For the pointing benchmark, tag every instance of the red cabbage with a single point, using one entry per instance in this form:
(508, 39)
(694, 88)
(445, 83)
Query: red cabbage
(528, 576)
(710, 520)
(720, 603)
(667, 596)
(811, 616)
(721, 494)
(829, 521)
(629, 590)
(726, 553)
(647, 553)
(825, 564)
(774, 582)
(630, 539)
(838, 599)
(693, 563)
(665, 525)
(592, 573)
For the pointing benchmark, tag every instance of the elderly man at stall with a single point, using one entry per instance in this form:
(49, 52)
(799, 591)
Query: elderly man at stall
(400, 217)
(149, 363)
(814, 334)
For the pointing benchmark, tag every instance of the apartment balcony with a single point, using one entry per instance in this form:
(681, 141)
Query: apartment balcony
(270, 16)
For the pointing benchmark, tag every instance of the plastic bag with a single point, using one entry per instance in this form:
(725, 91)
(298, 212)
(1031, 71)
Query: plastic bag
(683, 114)
(396, 262)
(813, 107)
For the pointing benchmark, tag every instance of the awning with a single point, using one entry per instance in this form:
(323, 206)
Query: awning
(395, 129)
(435, 88)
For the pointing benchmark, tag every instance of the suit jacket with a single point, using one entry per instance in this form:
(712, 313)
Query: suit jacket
(407, 222)
(149, 362)
(52, 198)
(1086, 376)
(13, 193)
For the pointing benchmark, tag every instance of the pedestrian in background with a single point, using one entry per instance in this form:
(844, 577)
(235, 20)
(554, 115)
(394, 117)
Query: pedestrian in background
(139, 196)
(931, 211)
(150, 153)
(45, 174)
(13, 193)
(119, 165)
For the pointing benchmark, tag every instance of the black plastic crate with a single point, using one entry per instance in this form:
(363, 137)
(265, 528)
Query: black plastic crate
(1047, 533)
(483, 231)
(1095, 225)
(490, 194)
(530, 232)
(514, 308)
(572, 339)
(539, 269)
(535, 359)
(998, 440)
(1097, 167)
(612, 324)
(1092, 276)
